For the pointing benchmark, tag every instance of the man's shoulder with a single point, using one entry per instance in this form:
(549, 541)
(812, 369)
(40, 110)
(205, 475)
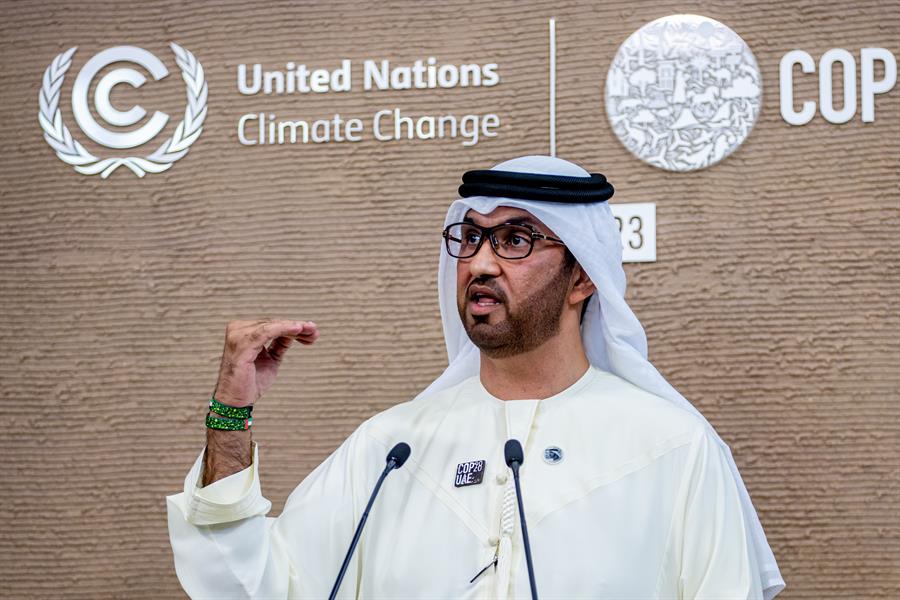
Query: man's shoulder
(636, 411)
(421, 414)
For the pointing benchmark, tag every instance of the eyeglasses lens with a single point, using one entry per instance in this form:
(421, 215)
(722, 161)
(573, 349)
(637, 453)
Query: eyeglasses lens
(512, 241)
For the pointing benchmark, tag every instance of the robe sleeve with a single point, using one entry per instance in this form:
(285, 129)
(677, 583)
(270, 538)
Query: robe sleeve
(225, 546)
(717, 561)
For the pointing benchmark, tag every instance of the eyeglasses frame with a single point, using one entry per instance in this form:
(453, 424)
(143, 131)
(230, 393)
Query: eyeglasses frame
(488, 232)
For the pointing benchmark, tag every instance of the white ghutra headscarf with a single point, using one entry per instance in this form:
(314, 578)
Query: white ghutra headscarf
(613, 338)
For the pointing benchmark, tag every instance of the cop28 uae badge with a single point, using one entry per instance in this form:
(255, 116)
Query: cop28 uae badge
(70, 151)
(469, 473)
(683, 92)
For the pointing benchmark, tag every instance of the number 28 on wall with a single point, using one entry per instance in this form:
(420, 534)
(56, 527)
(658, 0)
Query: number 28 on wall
(635, 239)
(637, 226)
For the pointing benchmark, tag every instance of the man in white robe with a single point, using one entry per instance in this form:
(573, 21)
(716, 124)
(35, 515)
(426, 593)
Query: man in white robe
(628, 491)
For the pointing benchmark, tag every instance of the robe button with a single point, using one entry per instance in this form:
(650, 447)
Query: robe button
(493, 541)
(501, 478)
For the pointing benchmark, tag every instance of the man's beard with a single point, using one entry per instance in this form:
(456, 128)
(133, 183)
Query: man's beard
(535, 321)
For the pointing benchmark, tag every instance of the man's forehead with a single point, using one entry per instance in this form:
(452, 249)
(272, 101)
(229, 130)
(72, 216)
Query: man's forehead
(505, 214)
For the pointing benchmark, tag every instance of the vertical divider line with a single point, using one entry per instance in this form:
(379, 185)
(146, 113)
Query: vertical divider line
(552, 86)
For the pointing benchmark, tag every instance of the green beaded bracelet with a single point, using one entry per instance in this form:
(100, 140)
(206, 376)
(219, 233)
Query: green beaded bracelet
(233, 412)
(228, 424)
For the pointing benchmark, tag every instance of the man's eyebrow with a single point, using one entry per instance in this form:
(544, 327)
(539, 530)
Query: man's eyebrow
(522, 221)
(512, 221)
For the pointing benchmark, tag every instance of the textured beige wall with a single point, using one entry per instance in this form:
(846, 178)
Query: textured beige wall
(773, 305)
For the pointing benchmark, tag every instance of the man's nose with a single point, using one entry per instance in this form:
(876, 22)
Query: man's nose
(485, 261)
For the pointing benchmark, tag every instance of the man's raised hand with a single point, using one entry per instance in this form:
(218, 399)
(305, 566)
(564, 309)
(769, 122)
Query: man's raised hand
(253, 351)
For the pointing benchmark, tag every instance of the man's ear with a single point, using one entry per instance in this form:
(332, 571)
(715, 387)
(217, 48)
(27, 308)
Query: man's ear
(582, 287)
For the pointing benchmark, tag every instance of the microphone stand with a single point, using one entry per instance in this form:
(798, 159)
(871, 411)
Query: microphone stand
(395, 459)
(514, 458)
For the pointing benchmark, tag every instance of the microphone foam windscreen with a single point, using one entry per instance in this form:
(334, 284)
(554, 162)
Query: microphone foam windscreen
(399, 454)
(513, 452)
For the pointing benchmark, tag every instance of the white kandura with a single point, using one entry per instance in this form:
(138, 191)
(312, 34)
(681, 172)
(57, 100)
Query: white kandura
(644, 506)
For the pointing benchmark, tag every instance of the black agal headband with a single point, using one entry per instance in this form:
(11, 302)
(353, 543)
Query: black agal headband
(532, 186)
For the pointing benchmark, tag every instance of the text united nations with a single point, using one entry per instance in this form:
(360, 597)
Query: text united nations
(390, 124)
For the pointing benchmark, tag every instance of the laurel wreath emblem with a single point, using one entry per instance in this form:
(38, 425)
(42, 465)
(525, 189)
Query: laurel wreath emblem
(70, 151)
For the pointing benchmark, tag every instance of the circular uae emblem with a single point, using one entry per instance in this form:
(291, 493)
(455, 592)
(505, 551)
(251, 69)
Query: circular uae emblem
(553, 455)
(683, 92)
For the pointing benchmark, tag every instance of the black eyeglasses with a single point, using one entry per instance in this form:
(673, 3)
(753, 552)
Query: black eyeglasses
(508, 240)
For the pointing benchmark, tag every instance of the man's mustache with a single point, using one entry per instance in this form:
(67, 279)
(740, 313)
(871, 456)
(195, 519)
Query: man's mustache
(485, 285)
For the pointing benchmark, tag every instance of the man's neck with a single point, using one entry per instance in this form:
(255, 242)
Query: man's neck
(536, 374)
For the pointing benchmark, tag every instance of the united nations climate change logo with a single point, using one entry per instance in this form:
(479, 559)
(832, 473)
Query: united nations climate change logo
(683, 92)
(69, 150)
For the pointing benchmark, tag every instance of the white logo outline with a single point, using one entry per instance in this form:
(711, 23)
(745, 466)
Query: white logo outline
(70, 151)
(671, 109)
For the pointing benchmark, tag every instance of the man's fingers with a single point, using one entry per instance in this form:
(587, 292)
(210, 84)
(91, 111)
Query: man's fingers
(278, 347)
(309, 334)
(248, 338)
(273, 329)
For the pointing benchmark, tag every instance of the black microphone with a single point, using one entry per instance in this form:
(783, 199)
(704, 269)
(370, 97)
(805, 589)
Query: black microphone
(514, 458)
(395, 459)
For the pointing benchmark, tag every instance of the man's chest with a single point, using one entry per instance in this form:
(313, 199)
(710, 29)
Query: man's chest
(597, 527)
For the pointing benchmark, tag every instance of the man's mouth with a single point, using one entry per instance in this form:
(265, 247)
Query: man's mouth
(482, 302)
